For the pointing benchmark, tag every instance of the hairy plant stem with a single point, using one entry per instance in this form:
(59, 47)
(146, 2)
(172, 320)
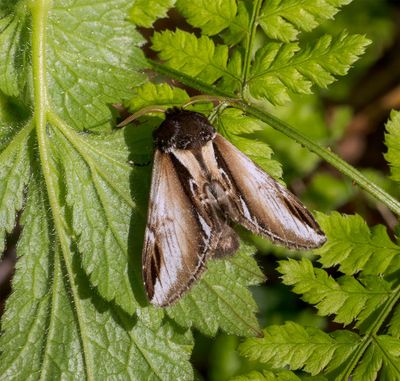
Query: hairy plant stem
(250, 41)
(39, 10)
(325, 153)
(370, 335)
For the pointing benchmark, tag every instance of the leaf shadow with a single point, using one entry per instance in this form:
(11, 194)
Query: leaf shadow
(87, 291)
(140, 144)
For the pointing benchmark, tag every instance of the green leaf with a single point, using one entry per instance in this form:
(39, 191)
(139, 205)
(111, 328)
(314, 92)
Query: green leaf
(14, 174)
(197, 57)
(65, 330)
(221, 298)
(150, 94)
(392, 141)
(99, 207)
(86, 74)
(298, 347)
(266, 375)
(279, 68)
(354, 247)
(145, 12)
(230, 82)
(394, 325)
(347, 298)
(238, 128)
(78, 210)
(14, 48)
(383, 358)
(238, 29)
(284, 19)
(211, 16)
(318, 353)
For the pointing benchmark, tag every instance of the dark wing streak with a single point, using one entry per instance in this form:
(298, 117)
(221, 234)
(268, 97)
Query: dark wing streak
(174, 233)
(265, 210)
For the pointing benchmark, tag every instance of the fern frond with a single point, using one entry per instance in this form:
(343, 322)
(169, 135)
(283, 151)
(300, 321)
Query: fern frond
(145, 12)
(266, 375)
(238, 128)
(354, 246)
(394, 325)
(150, 94)
(197, 57)
(297, 347)
(284, 19)
(392, 141)
(279, 68)
(211, 16)
(239, 27)
(381, 361)
(318, 353)
(347, 298)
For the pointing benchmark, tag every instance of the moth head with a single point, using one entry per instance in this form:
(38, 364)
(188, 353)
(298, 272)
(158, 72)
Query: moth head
(183, 129)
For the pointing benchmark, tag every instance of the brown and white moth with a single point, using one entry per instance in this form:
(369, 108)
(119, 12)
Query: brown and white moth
(201, 184)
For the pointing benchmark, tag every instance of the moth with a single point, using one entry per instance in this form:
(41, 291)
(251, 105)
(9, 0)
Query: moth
(201, 185)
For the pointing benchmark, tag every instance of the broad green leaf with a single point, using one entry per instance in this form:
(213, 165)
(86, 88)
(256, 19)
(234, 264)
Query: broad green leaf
(15, 151)
(14, 48)
(60, 318)
(150, 94)
(85, 74)
(211, 16)
(347, 298)
(197, 57)
(145, 12)
(92, 174)
(99, 206)
(354, 246)
(280, 69)
(284, 19)
(78, 210)
(220, 299)
(298, 347)
(392, 141)
(238, 128)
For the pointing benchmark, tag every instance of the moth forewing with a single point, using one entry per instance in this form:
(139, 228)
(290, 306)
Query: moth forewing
(177, 237)
(201, 183)
(263, 205)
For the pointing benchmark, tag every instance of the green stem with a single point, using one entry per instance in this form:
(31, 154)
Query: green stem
(187, 80)
(250, 41)
(286, 129)
(371, 333)
(39, 10)
(326, 154)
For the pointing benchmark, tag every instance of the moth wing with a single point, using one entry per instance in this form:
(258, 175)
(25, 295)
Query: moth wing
(178, 237)
(261, 204)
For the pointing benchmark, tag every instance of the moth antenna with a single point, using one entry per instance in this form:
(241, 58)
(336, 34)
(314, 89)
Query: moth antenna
(208, 98)
(138, 114)
(162, 109)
